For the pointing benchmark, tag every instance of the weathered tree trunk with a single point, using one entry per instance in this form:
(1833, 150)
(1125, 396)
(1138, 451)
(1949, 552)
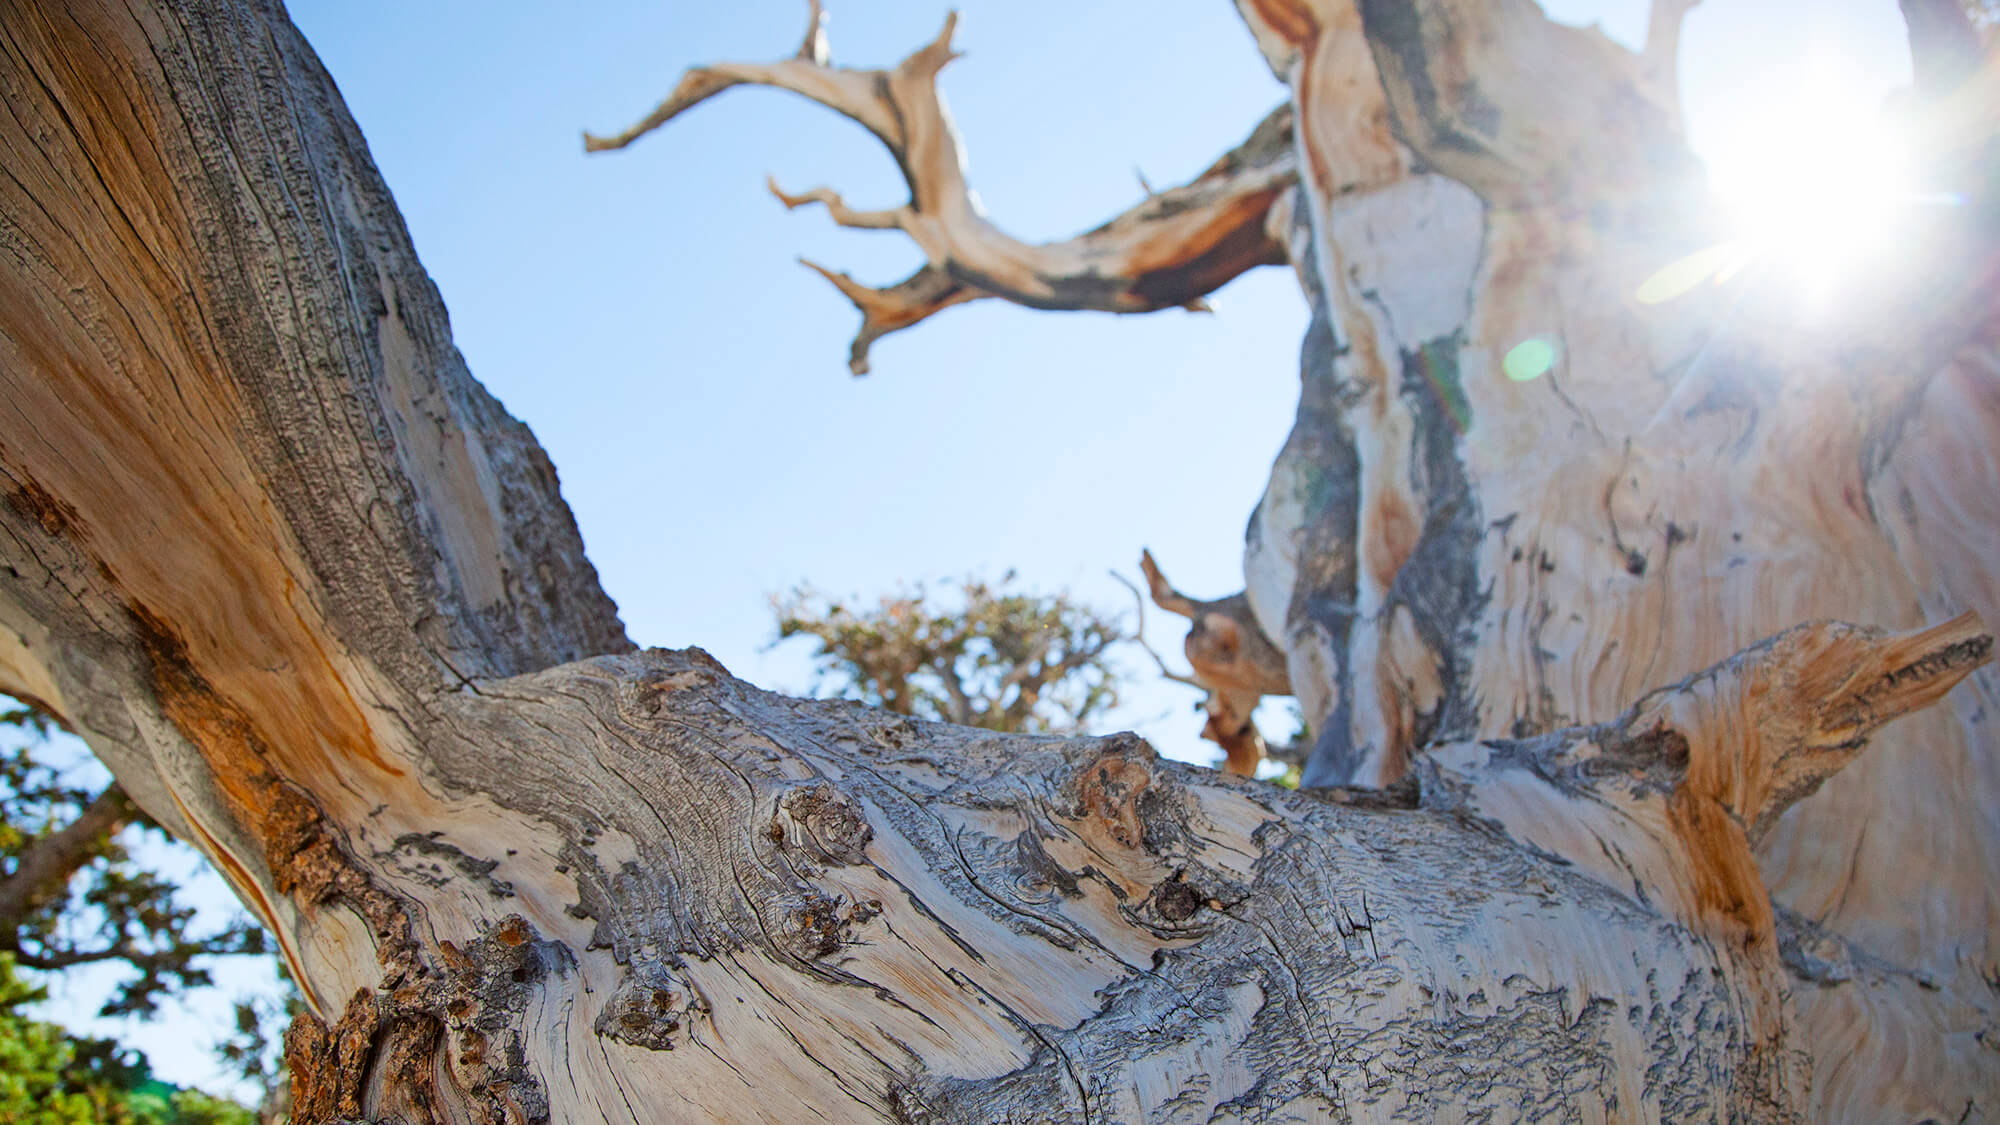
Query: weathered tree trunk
(314, 597)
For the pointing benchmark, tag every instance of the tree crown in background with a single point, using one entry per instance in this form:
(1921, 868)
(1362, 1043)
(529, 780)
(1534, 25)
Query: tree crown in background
(49, 1077)
(71, 892)
(984, 656)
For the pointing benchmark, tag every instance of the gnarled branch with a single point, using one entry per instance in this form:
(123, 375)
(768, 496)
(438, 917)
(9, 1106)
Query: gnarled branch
(1168, 251)
(1704, 768)
(1232, 659)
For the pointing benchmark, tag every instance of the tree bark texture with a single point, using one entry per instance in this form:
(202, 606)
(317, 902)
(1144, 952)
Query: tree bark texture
(315, 599)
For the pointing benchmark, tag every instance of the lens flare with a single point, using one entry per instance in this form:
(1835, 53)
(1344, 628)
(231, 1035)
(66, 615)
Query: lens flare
(1717, 263)
(1815, 184)
(1530, 359)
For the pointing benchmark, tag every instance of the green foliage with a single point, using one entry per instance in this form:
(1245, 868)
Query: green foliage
(996, 659)
(192, 1107)
(99, 904)
(48, 1077)
(34, 1058)
(106, 906)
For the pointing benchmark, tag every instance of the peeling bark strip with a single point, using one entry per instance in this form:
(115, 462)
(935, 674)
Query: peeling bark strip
(317, 602)
(434, 1050)
(1170, 251)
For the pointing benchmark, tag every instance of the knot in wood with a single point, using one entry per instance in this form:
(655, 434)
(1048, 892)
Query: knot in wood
(824, 820)
(650, 692)
(1116, 789)
(651, 1008)
(1657, 746)
(487, 989)
(1176, 900)
(813, 929)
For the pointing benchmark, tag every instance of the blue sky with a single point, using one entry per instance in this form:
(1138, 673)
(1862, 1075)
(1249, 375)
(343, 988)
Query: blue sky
(642, 311)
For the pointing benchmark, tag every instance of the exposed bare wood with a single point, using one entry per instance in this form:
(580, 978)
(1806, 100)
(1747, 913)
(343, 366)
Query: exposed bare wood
(1662, 57)
(316, 600)
(245, 532)
(1232, 660)
(1466, 80)
(1168, 251)
(1945, 47)
(1449, 552)
(1709, 765)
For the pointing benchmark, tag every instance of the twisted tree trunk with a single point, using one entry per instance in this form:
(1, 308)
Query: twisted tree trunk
(314, 597)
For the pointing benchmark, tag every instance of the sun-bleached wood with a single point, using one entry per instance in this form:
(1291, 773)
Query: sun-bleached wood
(1168, 251)
(1447, 552)
(316, 600)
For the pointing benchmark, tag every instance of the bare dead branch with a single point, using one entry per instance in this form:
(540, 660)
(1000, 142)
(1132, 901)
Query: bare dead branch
(1233, 661)
(1767, 727)
(1139, 634)
(1164, 594)
(895, 307)
(843, 215)
(1168, 251)
(815, 49)
(1226, 645)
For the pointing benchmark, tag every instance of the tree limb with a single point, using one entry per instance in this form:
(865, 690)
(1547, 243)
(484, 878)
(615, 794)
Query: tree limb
(45, 866)
(1704, 768)
(1139, 635)
(1168, 251)
(278, 554)
(1661, 59)
(66, 958)
(960, 705)
(1232, 659)
(1466, 82)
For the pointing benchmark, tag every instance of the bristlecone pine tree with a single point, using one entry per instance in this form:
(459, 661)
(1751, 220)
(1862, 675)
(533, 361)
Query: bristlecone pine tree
(1594, 847)
(71, 893)
(990, 657)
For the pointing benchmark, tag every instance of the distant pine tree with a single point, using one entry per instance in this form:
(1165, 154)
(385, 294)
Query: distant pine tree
(988, 657)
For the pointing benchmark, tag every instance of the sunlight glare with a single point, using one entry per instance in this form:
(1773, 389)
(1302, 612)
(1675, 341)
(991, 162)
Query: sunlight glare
(1813, 177)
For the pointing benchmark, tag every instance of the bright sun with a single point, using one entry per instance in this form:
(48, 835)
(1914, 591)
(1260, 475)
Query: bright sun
(1816, 182)
(1815, 178)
